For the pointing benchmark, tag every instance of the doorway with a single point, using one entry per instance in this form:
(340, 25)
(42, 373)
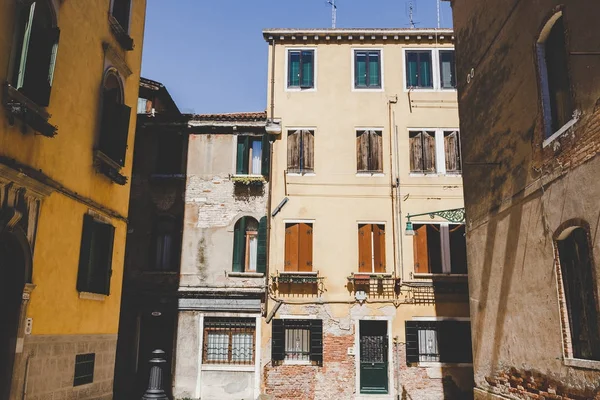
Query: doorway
(12, 282)
(373, 357)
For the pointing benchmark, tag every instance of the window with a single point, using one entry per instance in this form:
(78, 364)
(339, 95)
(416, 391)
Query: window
(422, 73)
(119, 23)
(84, 369)
(422, 151)
(301, 69)
(114, 125)
(369, 151)
(300, 151)
(419, 73)
(447, 69)
(435, 152)
(367, 69)
(297, 340)
(554, 73)
(144, 106)
(440, 249)
(298, 247)
(252, 155)
(577, 268)
(37, 45)
(250, 245)
(95, 256)
(446, 341)
(371, 248)
(229, 340)
(166, 246)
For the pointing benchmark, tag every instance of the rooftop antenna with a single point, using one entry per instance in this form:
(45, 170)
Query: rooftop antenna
(411, 14)
(333, 12)
(438, 14)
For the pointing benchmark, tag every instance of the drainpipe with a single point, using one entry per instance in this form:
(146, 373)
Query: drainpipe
(398, 203)
(394, 100)
(270, 190)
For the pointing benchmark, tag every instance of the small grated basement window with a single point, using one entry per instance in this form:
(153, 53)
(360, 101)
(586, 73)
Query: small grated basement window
(84, 369)
(229, 341)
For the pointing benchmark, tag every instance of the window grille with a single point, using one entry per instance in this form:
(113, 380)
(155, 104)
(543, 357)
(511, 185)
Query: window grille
(446, 341)
(229, 341)
(297, 344)
(84, 369)
(297, 340)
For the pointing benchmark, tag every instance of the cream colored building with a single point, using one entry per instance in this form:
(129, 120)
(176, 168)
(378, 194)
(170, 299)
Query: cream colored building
(368, 125)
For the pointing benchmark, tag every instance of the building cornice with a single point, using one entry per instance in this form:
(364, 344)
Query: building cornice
(398, 35)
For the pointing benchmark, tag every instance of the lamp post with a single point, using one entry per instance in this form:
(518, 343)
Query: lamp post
(454, 215)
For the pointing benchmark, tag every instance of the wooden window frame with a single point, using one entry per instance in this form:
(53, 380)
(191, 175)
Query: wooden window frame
(371, 163)
(297, 262)
(86, 272)
(249, 235)
(439, 153)
(299, 87)
(445, 250)
(367, 85)
(230, 332)
(304, 167)
(436, 70)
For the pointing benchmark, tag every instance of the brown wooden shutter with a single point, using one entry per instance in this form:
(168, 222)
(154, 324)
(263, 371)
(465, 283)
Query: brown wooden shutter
(293, 148)
(416, 152)
(362, 151)
(376, 151)
(305, 248)
(452, 153)
(379, 247)
(364, 248)
(420, 250)
(308, 140)
(291, 247)
(429, 151)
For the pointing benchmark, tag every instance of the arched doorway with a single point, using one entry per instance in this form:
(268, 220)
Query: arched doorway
(14, 272)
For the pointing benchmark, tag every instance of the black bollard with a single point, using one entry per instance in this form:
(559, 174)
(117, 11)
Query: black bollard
(155, 389)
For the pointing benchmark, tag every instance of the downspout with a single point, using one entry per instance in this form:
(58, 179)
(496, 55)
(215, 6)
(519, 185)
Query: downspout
(390, 102)
(270, 190)
(399, 204)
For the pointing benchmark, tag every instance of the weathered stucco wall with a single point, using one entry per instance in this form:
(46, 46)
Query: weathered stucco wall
(521, 192)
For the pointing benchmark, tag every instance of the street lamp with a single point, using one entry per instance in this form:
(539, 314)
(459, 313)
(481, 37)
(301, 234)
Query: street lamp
(455, 215)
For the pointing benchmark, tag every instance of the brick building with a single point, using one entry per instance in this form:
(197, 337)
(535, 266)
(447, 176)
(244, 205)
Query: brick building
(367, 144)
(529, 99)
(224, 258)
(151, 278)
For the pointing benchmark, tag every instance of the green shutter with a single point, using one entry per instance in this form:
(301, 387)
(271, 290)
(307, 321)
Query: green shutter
(316, 341)
(307, 66)
(374, 69)
(277, 341)
(25, 46)
(242, 155)
(293, 69)
(85, 254)
(266, 156)
(412, 342)
(425, 71)
(121, 133)
(261, 256)
(239, 244)
(107, 234)
(360, 69)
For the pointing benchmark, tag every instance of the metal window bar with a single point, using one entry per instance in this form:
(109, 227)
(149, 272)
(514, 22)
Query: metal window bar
(297, 340)
(84, 369)
(229, 341)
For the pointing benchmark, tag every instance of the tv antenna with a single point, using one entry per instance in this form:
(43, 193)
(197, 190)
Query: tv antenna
(333, 12)
(411, 9)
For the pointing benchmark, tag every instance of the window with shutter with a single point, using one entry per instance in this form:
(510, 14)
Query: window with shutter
(300, 151)
(250, 156)
(369, 151)
(261, 257)
(367, 69)
(429, 152)
(439, 248)
(371, 248)
(420, 249)
(452, 152)
(297, 340)
(446, 341)
(121, 10)
(298, 247)
(419, 71)
(447, 69)
(277, 340)
(301, 69)
(422, 151)
(95, 257)
(248, 245)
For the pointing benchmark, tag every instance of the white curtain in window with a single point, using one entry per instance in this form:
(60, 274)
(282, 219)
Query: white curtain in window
(428, 345)
(163, 252)
(241, 347)
(217, 347)
(256, 157)
(252, 252)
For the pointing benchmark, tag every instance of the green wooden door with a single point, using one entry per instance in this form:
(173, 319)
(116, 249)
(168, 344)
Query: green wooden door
(373, 357)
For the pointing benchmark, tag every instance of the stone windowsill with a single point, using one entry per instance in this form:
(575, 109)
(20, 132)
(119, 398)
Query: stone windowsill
(297, 362)
(579, 363)
(92, 296)
(299, 273)
(225, 367)
(245, 274)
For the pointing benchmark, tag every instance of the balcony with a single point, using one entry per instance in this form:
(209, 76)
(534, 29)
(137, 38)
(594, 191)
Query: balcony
(380, 285)
(297, 283)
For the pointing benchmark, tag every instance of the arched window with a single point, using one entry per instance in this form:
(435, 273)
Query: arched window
(554, 74)
(37, 44)
(249, 245)
(114, 126)
(165, 245)
(578, 280)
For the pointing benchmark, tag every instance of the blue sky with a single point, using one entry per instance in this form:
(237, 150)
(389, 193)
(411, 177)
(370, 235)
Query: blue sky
(211, 56)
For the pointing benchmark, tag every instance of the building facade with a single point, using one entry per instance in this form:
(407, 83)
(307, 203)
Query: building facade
(66, 143)
(529, 115)
(148, 316)
(223, 258)
(358, 306)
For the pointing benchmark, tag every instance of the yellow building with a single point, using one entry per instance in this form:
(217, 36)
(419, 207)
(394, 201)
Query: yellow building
(70, 74)
(359, 308)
